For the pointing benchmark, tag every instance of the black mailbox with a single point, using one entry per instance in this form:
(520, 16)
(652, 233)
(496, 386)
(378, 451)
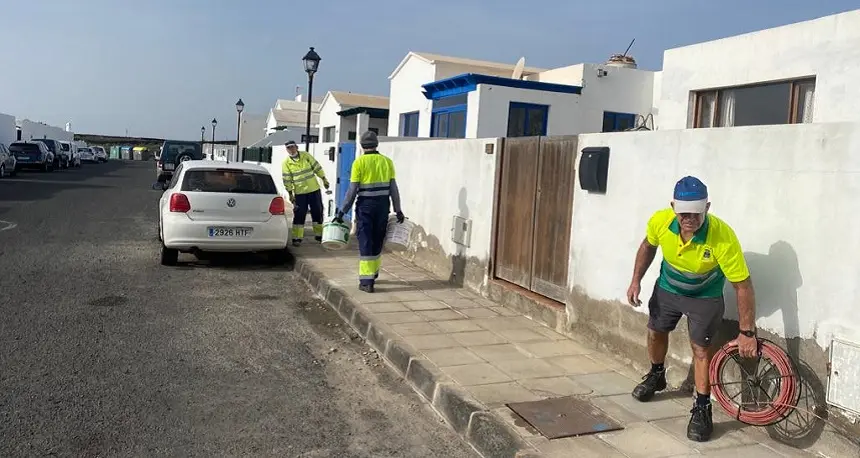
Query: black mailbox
(331, 153)
(593, 168)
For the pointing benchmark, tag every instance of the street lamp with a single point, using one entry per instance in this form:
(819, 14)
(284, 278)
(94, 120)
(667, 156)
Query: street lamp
(240, 105)
(312, 64)
(214, 123)
(202, 140)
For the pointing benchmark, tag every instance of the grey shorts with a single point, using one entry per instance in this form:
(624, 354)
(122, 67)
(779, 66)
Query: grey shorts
(704, 315)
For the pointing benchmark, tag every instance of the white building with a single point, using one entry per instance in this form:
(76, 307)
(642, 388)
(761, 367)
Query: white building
(8, 129)
(32, 129)
(291, 116)
(345, 115)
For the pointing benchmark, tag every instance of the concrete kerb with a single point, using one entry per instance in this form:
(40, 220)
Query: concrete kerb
(480, 427)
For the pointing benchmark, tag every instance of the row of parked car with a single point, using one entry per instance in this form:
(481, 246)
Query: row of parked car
(47, 155)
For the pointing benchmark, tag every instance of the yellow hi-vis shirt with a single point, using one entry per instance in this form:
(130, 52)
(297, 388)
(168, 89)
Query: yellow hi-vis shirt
(300, 174)
(373, 172)
(699, 267)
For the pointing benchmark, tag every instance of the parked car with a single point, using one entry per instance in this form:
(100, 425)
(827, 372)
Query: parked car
(210, 206)
(7, 162)
(61, 159)
(32, 155)
(100, 153)
(87, 154)
(173, 153)
(72, 150)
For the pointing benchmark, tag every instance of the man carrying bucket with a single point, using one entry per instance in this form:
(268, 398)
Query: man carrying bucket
(372, 181)
(300, 171)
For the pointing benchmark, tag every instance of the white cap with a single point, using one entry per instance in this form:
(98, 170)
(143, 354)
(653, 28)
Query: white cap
(690, 206)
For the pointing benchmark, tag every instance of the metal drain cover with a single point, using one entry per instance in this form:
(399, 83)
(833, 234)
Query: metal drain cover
(565, 417)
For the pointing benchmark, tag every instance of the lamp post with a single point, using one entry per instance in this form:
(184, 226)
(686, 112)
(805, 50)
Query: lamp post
(312, 64)
(240, 105)
(214, 123)
(202, 140)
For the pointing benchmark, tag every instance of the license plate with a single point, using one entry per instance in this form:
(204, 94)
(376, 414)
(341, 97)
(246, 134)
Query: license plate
(168, 166)
(230, 232)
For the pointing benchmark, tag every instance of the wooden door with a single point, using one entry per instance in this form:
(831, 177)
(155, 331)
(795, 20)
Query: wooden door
(515, 222)
(553, 216)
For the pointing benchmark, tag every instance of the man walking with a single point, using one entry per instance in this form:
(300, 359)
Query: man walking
(372, 181)
(700, 251)
(300, 171)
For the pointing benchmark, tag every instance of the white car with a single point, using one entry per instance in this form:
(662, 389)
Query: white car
(100, 154)
(72, 151)
(87, 154)
(210, 206)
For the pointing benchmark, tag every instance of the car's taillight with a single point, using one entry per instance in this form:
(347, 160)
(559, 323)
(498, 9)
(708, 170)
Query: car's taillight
(179, 203)
(277, 206)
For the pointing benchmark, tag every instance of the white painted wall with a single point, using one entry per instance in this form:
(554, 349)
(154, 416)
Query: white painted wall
(8, 131)
(790, 192)
(433, 192)
(825, 48)
(31, 130)
(329, 117)
(493, 103)
(406, 95)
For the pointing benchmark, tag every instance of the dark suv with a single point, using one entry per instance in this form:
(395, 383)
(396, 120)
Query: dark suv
(62, 159)
(172, 154)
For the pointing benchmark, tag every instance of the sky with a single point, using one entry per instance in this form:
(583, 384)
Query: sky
(164, 68)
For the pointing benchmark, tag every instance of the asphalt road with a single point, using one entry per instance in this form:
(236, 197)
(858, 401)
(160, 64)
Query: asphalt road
(103, 352)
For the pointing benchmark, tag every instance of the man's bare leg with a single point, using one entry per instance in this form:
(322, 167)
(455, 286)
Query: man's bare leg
(655, 379)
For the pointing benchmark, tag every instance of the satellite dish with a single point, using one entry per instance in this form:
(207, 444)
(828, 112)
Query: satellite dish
(518, 69)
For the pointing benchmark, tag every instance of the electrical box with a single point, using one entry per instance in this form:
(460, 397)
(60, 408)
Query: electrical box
(843, 389)
(594, 168)
(461, 231)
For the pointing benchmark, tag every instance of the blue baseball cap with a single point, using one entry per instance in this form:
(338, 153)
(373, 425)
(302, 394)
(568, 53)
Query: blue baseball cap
(691, 195)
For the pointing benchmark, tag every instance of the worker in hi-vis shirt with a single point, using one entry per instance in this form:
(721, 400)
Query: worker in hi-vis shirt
(300, 171)
(372, 183)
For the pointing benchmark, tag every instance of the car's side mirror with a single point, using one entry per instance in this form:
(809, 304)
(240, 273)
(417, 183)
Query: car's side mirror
(159, 186)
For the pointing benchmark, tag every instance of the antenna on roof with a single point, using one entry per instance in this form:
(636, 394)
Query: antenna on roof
(518, 69)
(629, 46)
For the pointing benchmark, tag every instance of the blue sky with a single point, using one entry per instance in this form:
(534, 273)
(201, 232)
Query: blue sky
(163, 68)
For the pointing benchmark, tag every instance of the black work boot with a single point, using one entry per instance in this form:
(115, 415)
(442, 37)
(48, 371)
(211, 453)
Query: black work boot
(366, 288)
(297, 242)
(652, 382)
(701, 424)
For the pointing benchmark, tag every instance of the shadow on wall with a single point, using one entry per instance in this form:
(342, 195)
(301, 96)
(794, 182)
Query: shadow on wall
(776, 278)
(458, 260)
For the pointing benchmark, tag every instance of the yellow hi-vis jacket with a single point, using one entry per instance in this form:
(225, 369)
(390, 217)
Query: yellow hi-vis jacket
(300, 174)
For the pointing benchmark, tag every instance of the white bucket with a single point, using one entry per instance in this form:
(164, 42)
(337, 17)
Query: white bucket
(397, 236)
(335, 236)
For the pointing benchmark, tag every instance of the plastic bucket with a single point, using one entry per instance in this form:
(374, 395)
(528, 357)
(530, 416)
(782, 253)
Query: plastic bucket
(335, 236)
(397, 236)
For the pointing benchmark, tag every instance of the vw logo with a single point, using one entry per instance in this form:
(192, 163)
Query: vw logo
(231, 202)
(185, 158)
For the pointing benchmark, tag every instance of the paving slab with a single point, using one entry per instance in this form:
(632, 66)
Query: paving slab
(469, 356)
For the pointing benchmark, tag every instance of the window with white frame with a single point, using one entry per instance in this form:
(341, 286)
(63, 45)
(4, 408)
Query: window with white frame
(782, 102)
(328, 134)
(409, 124)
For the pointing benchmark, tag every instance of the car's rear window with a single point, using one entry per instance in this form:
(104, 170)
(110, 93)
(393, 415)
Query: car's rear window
(85, 150)
(24, 148)
(171, 151)
(50, 144)
(228, 180)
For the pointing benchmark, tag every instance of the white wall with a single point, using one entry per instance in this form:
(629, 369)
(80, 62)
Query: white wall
(790, 192)
(31, 130)
(493, 102)
(8, 131)
(433, 192)
(329, 117)
(825, 48)
(406, 95)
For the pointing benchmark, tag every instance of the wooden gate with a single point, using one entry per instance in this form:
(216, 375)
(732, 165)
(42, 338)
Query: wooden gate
(535, 211)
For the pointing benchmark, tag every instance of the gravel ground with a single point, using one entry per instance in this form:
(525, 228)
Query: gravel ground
(106, 353)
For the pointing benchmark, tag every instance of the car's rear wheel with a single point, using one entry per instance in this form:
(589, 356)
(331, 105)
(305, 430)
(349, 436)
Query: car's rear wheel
(169, 256)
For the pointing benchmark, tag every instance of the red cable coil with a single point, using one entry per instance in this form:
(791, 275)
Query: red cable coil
(774, 411)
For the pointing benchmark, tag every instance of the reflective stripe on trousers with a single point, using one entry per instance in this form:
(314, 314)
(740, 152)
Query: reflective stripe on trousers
(312, 200)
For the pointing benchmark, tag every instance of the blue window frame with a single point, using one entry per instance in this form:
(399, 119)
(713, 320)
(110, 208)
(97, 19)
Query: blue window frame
(409, 124)
(449, 117)
(527, 119)
(618, 122)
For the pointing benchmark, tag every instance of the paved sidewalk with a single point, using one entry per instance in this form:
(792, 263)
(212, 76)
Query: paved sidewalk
(469, 357)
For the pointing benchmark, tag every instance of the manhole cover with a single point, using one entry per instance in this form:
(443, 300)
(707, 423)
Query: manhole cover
(564, 417)
(109, 301)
